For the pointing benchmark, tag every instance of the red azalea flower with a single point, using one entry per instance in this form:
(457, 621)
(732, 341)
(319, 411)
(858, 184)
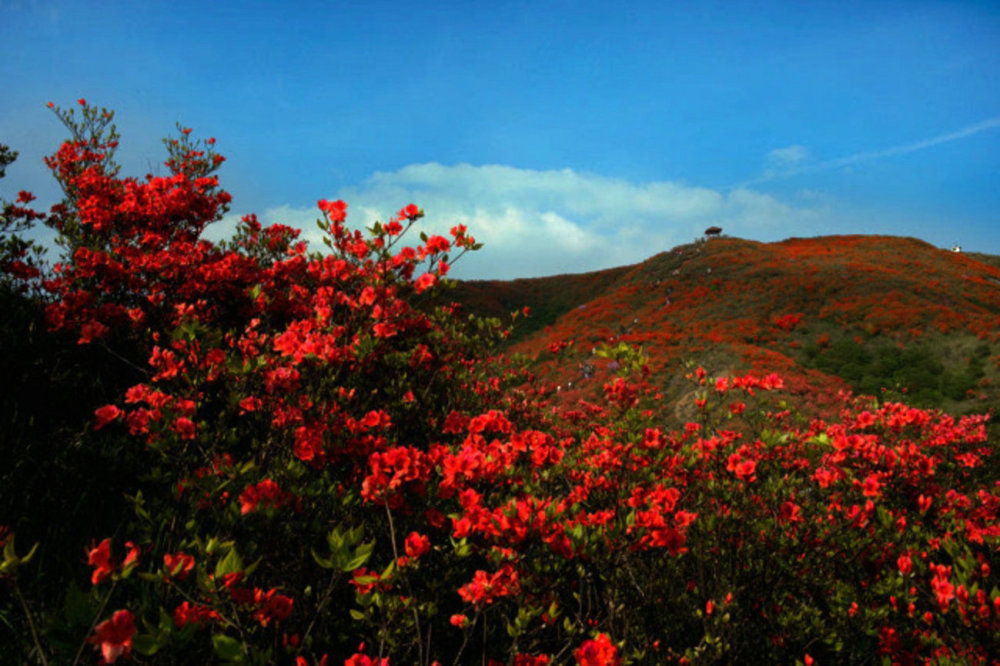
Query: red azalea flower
(184, 427)
(872, 487)
(92, 330)
(437, 244)
(132, 557)
(335, 210)
(365, 660)
(359, 658)
(114, 637)
(100, 558)
(417, 544)
(106, 415)
(178, 565)
(188, 613)
(266, 493)
(272, 606)
(597, 652)
(302, 661)
(790, 512)
(425, 282)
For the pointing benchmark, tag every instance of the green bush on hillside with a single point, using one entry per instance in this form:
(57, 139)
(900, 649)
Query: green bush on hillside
(914, 371)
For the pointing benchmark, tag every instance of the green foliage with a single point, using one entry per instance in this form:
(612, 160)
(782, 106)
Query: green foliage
(915, 372)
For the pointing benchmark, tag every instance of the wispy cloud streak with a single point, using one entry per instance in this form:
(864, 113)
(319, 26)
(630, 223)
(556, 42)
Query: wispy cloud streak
(872, 155)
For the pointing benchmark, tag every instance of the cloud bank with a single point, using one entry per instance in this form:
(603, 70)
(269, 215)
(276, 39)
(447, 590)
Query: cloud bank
(535, 223)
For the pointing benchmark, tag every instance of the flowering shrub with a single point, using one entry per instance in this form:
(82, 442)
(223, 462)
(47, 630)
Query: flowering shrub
(326, 466)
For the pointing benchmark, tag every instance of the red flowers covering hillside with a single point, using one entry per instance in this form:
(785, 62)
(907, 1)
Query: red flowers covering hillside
(733, 305)
(253, 453)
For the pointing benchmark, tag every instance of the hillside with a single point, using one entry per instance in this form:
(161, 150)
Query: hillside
(886, 316)
(548, 298)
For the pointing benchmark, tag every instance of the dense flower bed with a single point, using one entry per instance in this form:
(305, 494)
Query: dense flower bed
(325, 468)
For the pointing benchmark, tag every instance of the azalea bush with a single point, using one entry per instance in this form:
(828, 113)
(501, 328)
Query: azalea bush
(300, 456)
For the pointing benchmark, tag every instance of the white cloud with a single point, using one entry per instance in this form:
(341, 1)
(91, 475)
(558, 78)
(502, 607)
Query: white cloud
(786, 162)
(788, 155)
(969, 130)
(536, 223)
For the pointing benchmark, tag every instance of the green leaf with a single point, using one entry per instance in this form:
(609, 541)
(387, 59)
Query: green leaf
(76, 606)
(227, 647)
(231, 563)
(462, 548)
(361, 555)
(166, 622)
(335, 539)
(11, 561)
(31, 553)
(356, 614)
(322, 561)
(250, 569)
(354, 535)
(146, 644)
(389, 571)
(821, 439)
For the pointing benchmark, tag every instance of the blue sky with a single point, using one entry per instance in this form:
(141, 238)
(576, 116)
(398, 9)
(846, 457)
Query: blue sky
(568, 136)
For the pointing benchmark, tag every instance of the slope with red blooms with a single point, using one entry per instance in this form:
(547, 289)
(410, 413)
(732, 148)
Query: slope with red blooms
(309, 462)
(732, 304)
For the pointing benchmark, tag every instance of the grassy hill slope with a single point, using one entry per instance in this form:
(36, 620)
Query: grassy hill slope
(888, 316)
(548, 298)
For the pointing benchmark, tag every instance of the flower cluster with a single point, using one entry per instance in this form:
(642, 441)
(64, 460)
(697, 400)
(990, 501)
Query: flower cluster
(315, 452)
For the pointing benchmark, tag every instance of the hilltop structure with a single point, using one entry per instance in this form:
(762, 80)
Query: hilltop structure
(713, 231)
